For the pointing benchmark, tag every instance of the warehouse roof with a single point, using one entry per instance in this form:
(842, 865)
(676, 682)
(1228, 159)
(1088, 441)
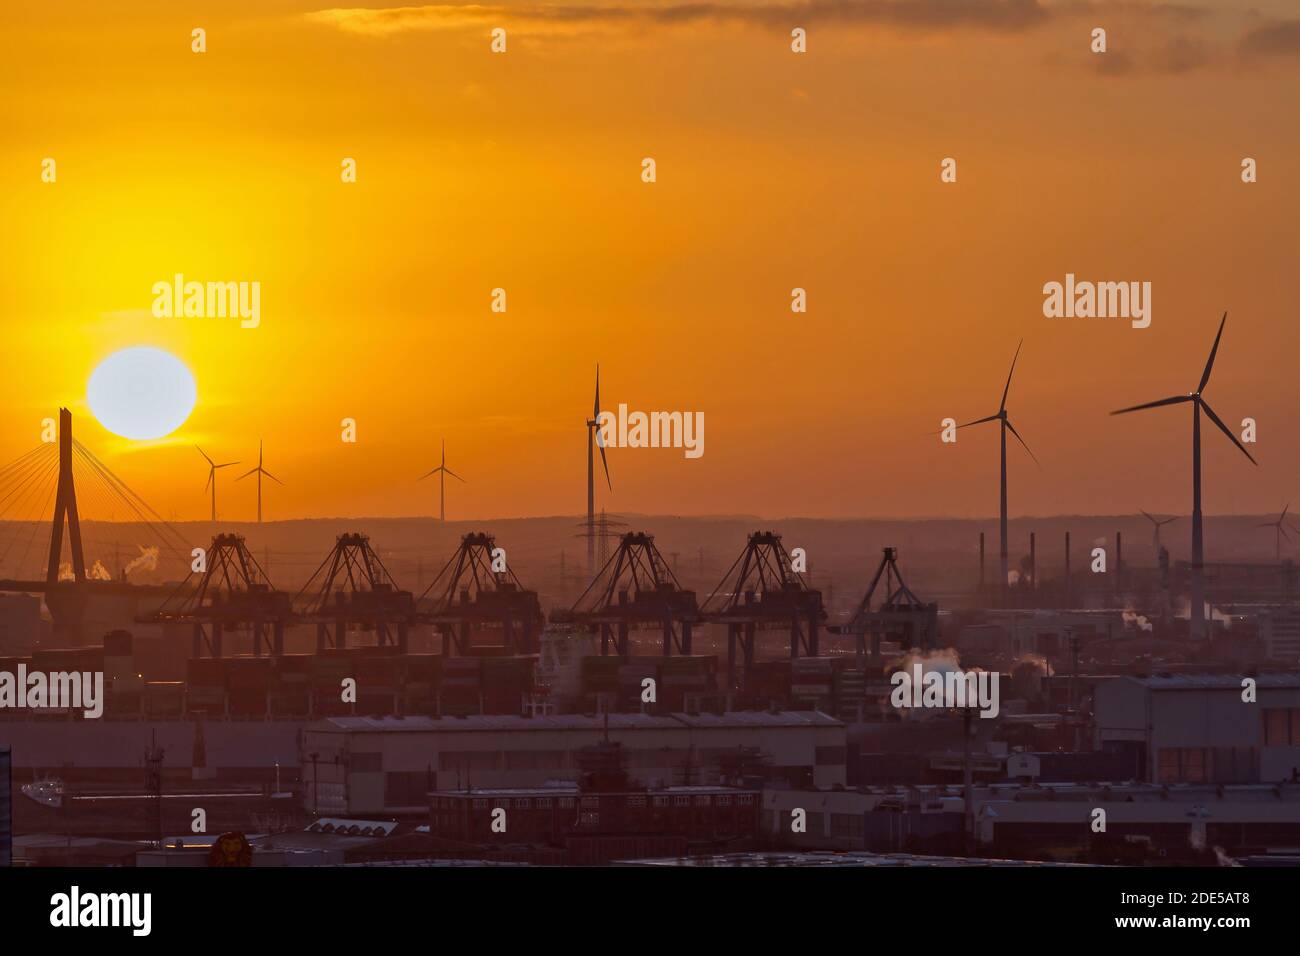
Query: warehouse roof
(489, 722)
(828, 858)
(1288, 681)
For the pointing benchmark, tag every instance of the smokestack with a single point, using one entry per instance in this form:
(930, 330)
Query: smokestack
(1033, 562)
(1067, 569)
(1119, 562)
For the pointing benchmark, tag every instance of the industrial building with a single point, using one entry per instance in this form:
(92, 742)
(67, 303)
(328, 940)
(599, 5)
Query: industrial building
(828, 859)
(1150, 823)
(1279, 633)
(1198, 729)
(20, 624)
(388, 765)
(605, 815)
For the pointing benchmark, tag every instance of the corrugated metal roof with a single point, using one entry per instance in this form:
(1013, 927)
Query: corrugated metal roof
(831, 859)
(503, 722)
(1287, 681)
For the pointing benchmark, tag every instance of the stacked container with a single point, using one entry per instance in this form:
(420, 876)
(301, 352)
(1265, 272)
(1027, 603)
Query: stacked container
(205, 686)
(248, 685)
(505, 682)
(460, 693)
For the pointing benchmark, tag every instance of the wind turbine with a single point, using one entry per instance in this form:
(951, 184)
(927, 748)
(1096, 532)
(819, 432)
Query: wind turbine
(212, 478)
(1199, 404)
(259, 471)
(1004, 423)
(593, 441)
(442, 471)
(1156, 524)
(1280, 528)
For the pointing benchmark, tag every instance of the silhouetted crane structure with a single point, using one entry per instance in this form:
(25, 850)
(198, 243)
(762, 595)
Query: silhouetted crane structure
(761, 590)
(353, 591)
(468, 595)
(636, 589)
(901, 615)
(232, 593)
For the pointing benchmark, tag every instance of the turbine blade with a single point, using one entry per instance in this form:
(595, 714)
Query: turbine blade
(604, 462)
(980, 421)
(271, 476)
(595, 408)
(226, 464)
(427, 474)
(1284, 511)
(1153, 520)
(251, 471)
(1022, 441)
(1172, 400)
(1285, 536)
(206, 484)
(204, 454)
(1007, 389)
(456, 476)
(1209, 364)
(1227, 431)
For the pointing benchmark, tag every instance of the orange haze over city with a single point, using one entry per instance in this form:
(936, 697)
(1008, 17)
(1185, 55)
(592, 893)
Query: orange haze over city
(774, 171)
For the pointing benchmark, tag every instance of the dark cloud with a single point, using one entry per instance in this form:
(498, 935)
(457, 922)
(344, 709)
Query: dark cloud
(996, 16)
(1278, 39)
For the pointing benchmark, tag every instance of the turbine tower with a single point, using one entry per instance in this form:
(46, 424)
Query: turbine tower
(212, 478)
(1199, 404)
(442, 471)
(259, 471)
(1156, 525)
(1280, 528)
(1004, 423)
(593, 441)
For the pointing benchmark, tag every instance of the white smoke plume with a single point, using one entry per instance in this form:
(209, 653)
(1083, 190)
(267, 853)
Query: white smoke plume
(1140, 621)
(96, 572)
(1036, 660)
(943, 661)
(147, 560)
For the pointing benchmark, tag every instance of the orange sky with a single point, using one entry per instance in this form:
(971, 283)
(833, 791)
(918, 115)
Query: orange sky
(775, 170)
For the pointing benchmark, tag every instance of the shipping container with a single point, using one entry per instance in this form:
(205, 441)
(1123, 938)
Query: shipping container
(118, 644)
(206, 672)
(164, 698)
(247, 702)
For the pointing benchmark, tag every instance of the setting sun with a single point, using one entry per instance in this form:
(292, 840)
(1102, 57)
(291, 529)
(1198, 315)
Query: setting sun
(141, 393)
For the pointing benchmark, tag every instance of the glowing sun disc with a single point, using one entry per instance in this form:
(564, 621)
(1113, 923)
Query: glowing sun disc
(141, 393)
